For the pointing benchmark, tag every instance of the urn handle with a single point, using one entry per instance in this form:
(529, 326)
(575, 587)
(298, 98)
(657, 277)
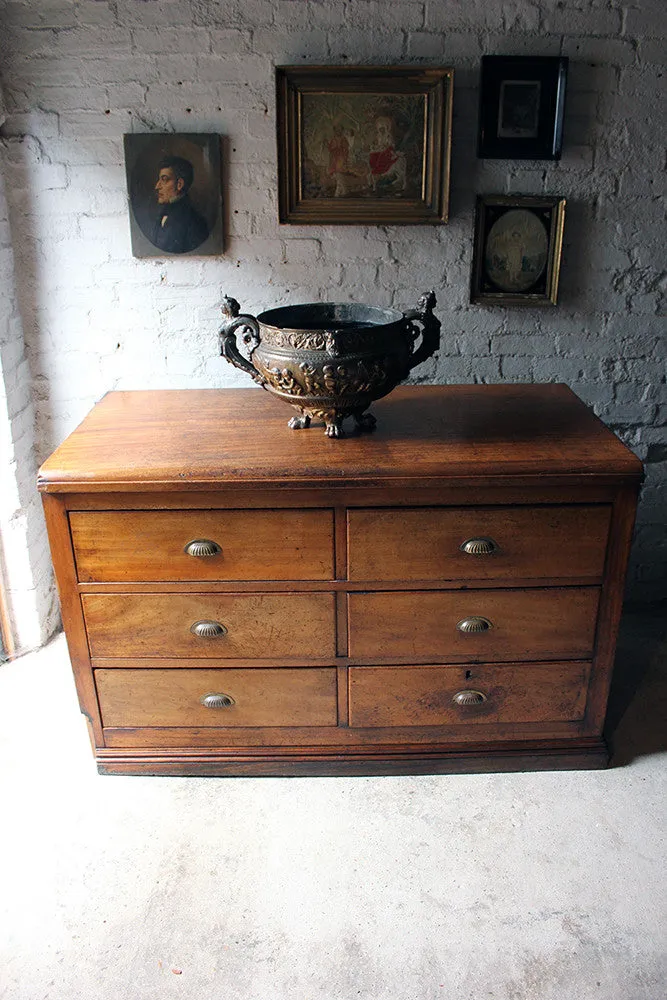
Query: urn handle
(430, 332)
(234, 320)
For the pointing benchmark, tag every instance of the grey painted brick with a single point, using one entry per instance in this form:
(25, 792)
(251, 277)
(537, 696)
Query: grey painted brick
(605, 51)
(424, 44)
(651, 50)
(647, 20)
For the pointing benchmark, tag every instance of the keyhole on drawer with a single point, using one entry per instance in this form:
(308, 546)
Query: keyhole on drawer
(468, 674)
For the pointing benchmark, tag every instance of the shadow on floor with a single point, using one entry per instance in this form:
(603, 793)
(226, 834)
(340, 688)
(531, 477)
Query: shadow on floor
(637, 714)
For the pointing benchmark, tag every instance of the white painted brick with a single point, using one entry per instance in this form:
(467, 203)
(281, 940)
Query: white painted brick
(163, 40)
(444, 15)
(156, 14)
(226, 40)
(87, 42)
(41, 124)
(96, 124)
(250, 13)
(97, 15)
(289, 46)
(520, 16)
(562, 20)
(46, 14)
(329, 14)
(602, 338)
(523, 44)
(425, 44)
(348, 46)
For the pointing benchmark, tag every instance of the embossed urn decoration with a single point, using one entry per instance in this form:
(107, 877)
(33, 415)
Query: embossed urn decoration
(330, 360)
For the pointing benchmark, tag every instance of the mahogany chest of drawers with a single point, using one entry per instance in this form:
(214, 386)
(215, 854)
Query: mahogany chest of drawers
(441, 595)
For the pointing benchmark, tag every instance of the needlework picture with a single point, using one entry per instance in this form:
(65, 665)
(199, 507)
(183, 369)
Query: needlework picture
(363, 144)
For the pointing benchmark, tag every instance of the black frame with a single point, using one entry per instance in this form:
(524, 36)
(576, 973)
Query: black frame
(544, 291)
(537, 131)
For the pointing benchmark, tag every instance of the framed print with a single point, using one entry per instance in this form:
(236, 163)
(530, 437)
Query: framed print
(174, 194)
(516, 256)
(522, 99)
(363, 145)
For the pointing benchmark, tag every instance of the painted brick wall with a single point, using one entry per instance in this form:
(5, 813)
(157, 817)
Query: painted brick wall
(24, 558)
(78, 75)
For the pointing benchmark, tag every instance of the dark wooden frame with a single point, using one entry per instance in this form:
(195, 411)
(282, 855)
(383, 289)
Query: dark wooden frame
(545, 290)
(436, 84)
(550, 72)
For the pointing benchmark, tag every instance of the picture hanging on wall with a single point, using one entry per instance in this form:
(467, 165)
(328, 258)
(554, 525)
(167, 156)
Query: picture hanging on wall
(363, 145)
(522, 100)
(174, 193)
(517, 250)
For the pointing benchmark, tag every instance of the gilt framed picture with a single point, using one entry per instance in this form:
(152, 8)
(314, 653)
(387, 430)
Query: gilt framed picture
(521, 107)
(363, 145)
(517, 250)
(174, 194)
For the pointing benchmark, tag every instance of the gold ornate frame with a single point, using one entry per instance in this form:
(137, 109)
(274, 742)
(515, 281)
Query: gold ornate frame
(544, 291)
(436, 87)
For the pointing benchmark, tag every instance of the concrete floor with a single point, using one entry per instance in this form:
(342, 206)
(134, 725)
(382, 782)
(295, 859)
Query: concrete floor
(511, 887)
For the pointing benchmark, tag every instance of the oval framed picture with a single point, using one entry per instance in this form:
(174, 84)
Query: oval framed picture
(517, 249)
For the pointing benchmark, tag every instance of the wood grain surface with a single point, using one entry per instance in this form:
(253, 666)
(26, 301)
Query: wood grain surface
(166, 439)
(541, 624)
(341, 581)
(423, 696)
(257, 625)
(279, 697)
(425, 544)
(255, 545)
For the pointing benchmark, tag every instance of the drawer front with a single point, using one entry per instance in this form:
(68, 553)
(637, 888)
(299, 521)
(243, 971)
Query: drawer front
(148, 545)
(426, 696)
(258, 697)
(255, 625)
(524, 542)
(539, 624)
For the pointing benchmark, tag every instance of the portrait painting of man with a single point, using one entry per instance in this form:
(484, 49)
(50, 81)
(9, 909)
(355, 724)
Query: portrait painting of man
(174, 193)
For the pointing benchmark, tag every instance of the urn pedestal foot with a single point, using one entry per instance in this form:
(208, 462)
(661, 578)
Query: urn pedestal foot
(299, 423)
(334, 428)
(364, 421)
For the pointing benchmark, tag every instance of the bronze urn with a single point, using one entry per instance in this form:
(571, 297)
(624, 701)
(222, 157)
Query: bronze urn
(330, 360)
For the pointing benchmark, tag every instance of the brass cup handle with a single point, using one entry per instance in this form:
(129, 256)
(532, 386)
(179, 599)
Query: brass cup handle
(475, 623)
(207, 629)
(479, 546)
(202, 548)
(217, 701)
(469, 698)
